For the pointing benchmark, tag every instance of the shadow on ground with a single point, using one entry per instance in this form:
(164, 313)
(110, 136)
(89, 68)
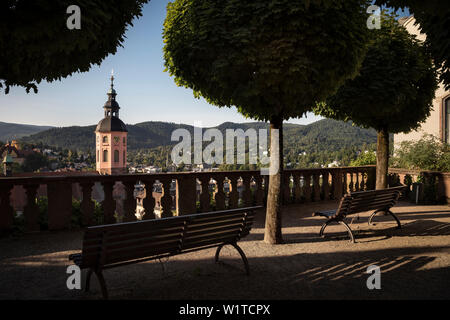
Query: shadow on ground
(414, 262)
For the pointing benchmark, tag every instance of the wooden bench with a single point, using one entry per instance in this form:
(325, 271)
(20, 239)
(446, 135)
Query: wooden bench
(356, 202)
(115, 245)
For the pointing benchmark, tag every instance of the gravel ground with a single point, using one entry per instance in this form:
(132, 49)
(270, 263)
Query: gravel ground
(414, 262)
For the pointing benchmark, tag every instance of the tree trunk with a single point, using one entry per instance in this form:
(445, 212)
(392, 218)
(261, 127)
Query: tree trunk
(272, 232)
(382, 158)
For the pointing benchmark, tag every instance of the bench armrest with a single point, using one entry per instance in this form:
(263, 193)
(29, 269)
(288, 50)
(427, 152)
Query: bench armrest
(327, 214)
(75, 256)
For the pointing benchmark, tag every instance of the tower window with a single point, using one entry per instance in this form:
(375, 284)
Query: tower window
(116, 155)
(105, 155)
(98, 158)
(105, 139)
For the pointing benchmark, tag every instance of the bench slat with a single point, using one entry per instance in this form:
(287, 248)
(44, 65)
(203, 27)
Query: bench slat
(207, 242)
(142, 253)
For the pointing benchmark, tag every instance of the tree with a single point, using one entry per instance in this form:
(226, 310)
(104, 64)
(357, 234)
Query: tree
(428, 153)
(393, 92)
(34, 161)
(37, 45)
(433, 17)
(272, 59)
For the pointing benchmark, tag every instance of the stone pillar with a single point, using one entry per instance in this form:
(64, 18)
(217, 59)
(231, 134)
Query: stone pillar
(186, 195)
(6, 211)
(31, 211)
(59, 205)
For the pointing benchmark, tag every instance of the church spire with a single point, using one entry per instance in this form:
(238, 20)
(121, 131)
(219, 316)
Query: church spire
(111, 106)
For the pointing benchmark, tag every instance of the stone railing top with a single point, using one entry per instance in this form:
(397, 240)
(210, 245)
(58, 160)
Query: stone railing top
(88, 177)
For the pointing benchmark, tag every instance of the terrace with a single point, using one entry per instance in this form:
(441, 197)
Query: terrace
(414, 261)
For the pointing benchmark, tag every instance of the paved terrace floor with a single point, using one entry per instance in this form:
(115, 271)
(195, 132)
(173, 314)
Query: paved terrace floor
(414, 261)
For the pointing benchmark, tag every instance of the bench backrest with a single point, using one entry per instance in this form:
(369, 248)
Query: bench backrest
(362, 201)
(117, 243)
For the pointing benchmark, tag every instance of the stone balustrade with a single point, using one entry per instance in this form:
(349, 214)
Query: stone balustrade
(168, 194)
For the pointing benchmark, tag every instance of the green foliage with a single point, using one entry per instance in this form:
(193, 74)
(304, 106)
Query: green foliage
(428, 153)
(42, 203)
(75, 218)
(395, 87)
(267, 58)
(365, 159)
(433, 16)
(37, 45)
(34, 161)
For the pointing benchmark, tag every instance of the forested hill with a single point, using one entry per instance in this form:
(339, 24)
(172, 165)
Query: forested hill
(322, 135)
(12, 131)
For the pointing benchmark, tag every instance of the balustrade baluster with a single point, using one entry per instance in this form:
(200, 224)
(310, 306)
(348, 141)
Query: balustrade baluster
(108, 204)
(31, 210)
(316, 186)
(337, 184)
(87, 205)
(130, 202)
(259, 193)
(350, 186)
(356, 188)
(59, 196)
(285, 188)
(234, 194)
(297, 188)
(326, 185)
(344, 182)
(149, 201)
(307, 187)
(6, 211)
(247, 199)
(186, 195)
(220, 195)
(166, 199)
(205, 198)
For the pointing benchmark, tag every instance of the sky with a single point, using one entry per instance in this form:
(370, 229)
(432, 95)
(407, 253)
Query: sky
(144, 91)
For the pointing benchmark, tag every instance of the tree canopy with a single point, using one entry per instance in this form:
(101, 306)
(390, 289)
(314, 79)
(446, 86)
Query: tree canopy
(433, 17)
(266, 58)
(395, 86)
(393, 92)
(272, 59)
(36, 44)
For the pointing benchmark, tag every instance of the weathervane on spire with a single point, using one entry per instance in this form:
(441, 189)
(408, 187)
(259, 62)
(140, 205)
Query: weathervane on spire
(112, 78)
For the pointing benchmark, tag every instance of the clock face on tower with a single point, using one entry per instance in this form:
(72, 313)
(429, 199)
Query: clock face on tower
(116, 140)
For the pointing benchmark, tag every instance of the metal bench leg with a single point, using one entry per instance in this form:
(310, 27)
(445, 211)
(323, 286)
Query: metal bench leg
(396, 219)
(352, 239)
(323, 228)
(216, 257)
(88, 280)
(390, 213)
(244, 258)
(373, 215)
(102, 282)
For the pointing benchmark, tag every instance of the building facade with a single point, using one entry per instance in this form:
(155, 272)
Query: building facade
(438, 123)
(111, 138)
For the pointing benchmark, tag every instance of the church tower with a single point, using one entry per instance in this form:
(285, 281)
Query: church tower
(111, 138)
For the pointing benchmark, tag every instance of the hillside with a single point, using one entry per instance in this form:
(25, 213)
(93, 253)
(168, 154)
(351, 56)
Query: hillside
(12, 131)
(323, 135)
